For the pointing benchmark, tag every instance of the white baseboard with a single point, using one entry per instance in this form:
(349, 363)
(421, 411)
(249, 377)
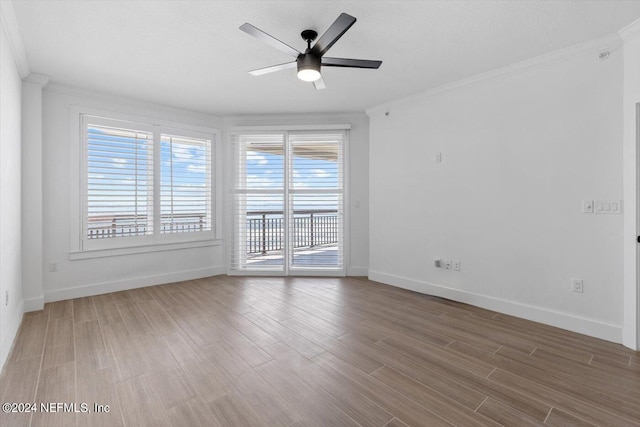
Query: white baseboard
(138, 282)
(358, 271)
(34, 304)
(9, 334)
(537, 314)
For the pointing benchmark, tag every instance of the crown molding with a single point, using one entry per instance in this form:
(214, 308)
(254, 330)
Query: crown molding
(107, 101)
(295, 118)
(631, 31)
(10, 26)
(609, 42)
(38, 79)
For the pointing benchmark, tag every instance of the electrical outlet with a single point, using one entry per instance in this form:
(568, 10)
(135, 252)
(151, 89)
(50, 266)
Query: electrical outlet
(577, 285)
(447, 264)
(438, 158)
(53, 267)
(456, 265)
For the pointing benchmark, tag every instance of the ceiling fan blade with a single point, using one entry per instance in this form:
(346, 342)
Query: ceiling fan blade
(333, 33)
(259, 34)
(273, 68)
(319, 84)
(351, 63)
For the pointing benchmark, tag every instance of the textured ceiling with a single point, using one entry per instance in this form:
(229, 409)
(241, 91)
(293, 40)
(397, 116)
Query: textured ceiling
(191, 54)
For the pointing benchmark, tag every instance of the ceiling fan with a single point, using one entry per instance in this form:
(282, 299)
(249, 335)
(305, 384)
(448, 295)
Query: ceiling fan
(310, 62)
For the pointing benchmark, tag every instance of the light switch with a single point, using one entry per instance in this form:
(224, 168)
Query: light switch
(606, 206)
(615, 207)
(599, 206)
(587, 206)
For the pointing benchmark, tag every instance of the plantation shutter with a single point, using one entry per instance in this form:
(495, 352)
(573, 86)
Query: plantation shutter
(288, 201)
(316, 198)
(145, 184)
(119, 195)
(258, 202)
(185, 184)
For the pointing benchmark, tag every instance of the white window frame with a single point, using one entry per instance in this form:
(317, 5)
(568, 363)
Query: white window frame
(80, 246)
(342, 192)
(346, 233)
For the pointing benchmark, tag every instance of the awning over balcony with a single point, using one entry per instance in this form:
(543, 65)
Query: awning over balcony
(307, 146)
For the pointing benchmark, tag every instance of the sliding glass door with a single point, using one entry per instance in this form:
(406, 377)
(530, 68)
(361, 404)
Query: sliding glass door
(288, 203)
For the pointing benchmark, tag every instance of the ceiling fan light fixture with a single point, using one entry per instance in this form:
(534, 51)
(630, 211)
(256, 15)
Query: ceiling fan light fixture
(309, 62)
(308, 68)
(308, 75)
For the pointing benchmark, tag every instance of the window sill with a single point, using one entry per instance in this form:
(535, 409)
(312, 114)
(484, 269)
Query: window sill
(102, 253)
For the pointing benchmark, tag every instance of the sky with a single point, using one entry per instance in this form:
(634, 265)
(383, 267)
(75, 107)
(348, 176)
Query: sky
(265, 171)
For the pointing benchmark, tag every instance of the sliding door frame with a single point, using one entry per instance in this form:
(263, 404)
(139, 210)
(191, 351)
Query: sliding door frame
(345, 232)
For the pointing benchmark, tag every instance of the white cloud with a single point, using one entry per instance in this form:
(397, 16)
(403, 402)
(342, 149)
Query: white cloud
(119, 162)
(197, 168)
(255, 180)
(182, 153)
(259, 159)
(320, 173)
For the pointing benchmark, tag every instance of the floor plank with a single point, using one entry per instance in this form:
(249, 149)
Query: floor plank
(106, 309)
(441, 405)
(505, 414)
(340, 393)
(392, 401)
(84, 310)
(54, 386)
(60, 309)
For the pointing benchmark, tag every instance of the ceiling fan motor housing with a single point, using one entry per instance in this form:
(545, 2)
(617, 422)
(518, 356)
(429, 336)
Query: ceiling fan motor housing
(308, 61)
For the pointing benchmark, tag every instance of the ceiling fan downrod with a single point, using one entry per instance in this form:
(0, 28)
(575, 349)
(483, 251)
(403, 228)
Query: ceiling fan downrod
(309, 36)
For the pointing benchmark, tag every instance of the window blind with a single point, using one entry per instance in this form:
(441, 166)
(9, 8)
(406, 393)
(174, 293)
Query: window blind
(119, 196)
(146, 183)
(316, 199)
(186, 188)
(258, 202)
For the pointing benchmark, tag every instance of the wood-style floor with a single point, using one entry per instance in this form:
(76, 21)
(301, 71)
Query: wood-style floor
(229, 351)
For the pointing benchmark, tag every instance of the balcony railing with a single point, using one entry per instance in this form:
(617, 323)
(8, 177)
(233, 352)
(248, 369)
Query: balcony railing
(103, 227)
(310, 228)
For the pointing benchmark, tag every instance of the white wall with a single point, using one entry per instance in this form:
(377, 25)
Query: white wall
(32, 264)
(10, 221)
(521, 149)
(98, 275)
(631, 49)
(358, 174)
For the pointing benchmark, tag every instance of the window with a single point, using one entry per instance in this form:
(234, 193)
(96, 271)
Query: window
(185, 201)
(119, 181)
(145, 184)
